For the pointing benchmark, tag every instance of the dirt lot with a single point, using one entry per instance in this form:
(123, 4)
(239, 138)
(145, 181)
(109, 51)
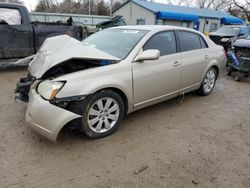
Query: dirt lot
(202, 142)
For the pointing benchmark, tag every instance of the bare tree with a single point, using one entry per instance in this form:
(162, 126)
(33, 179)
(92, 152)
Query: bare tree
(105, 7)
(102, 8)
(47, 6)
(241, 8)
(202, 4)
(99, 7)
(188, 3)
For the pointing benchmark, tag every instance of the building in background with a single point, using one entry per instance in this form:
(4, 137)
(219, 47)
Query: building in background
(138, 12)
(88, 20)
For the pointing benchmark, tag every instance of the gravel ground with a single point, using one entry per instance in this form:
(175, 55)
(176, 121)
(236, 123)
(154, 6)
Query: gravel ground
(201, 142)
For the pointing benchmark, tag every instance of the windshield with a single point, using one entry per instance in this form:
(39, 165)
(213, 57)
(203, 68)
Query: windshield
(116, 42)
(232, 31)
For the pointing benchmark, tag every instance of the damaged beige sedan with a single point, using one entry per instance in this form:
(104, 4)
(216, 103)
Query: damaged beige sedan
(93, 84)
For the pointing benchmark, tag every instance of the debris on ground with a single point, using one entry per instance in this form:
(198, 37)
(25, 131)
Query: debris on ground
(196, 182)
(141, 169)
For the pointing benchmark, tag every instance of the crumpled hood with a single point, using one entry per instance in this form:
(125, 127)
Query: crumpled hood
(56, 50)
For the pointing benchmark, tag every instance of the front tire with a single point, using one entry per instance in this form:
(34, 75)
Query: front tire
(102, 114)
(208, 82)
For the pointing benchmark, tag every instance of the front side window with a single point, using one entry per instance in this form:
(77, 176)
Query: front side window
(116, 42)
(189, 41)
(165, 42)
(10, 16)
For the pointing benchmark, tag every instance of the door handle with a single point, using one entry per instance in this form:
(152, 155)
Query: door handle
(206, 56)
(176, 64)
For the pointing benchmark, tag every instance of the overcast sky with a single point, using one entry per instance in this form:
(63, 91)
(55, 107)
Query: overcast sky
(31, 4)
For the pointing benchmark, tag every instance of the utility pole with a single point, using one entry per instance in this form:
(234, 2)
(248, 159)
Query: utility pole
(111, 7)
(89, 8)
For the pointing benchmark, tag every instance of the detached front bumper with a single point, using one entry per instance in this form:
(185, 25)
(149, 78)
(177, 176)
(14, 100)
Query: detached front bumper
(45, 118)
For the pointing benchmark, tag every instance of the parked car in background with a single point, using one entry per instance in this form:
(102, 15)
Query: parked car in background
(239, 59)
(21, 38)
(93, 84)
(113, 22)
(227, 34)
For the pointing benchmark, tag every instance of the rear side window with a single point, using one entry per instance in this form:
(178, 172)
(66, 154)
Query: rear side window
(10, 16)
(164, 42)
(190, 41)
(203, 42)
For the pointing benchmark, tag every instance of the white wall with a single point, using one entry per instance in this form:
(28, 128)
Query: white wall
(171, 22)
(206, 27)
(90, 20)
(131, 12)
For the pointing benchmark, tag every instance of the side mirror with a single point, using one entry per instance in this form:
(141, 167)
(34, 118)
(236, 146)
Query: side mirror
(148, 55)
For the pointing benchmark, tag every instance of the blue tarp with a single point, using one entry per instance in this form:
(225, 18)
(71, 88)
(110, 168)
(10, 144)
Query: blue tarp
(231, 20)
(176, 16)
(231, 55)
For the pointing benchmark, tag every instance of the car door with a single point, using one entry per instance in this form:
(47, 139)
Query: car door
(16, 37)
(195, 56)
(156, 80)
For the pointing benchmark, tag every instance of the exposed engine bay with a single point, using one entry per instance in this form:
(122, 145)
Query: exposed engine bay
(74, 65)
(67, 67)
(59, 56)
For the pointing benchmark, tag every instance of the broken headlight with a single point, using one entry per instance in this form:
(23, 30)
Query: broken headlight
(48, 88)
(224, 39)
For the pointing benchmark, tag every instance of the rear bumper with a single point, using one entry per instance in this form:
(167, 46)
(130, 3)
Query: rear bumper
(45, 118)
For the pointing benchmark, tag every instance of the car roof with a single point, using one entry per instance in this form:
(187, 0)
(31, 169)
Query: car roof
(154, 27)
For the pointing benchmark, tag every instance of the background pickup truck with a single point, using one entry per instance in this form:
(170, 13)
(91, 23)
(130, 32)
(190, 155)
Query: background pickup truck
(226, 35)
(21, 38)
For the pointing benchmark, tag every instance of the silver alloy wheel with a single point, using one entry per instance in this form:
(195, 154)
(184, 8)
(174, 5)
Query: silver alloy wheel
(103, 115)
(209, 81)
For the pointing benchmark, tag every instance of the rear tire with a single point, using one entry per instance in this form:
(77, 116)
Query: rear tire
(208, 82)
(102, 114)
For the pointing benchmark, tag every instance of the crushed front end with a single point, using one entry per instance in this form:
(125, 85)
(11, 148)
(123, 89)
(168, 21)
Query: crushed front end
(23, 88)
(47, 113)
